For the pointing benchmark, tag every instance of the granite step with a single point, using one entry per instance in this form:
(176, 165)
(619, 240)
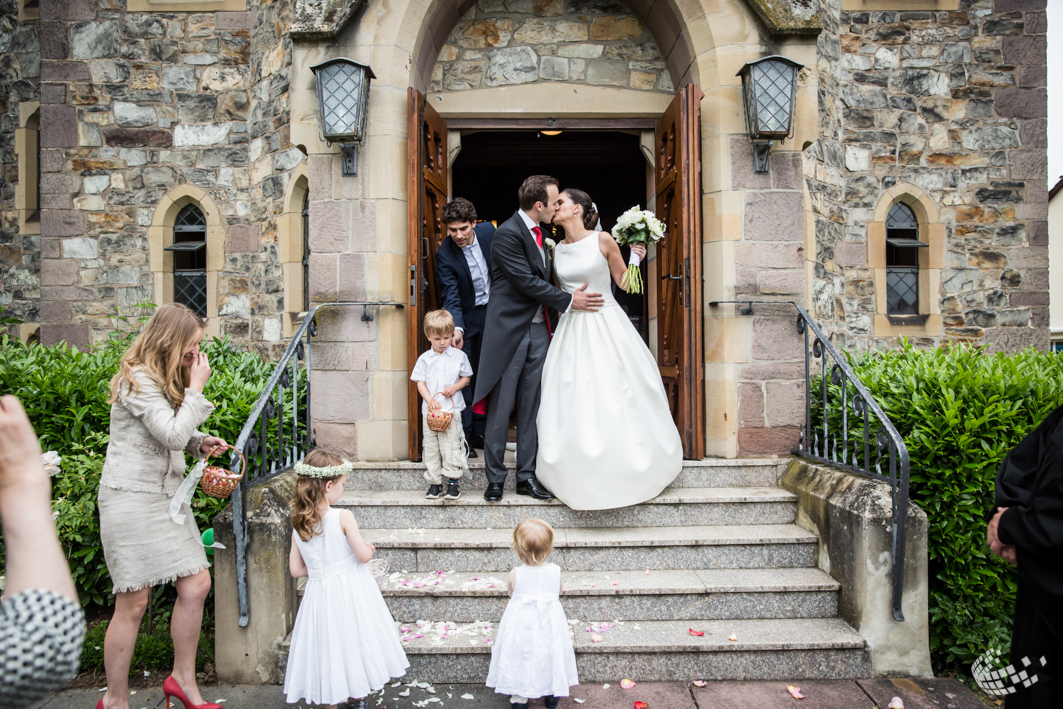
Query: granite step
(711, 472)
(486, 550)
(805, 648)
(716, 594)
(688, 506)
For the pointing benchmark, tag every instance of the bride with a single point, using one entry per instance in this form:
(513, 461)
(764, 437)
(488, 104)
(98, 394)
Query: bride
(606, 435)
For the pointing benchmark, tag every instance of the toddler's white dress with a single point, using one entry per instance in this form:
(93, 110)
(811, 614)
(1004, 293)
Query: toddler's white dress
(532, 655)
(344, 643)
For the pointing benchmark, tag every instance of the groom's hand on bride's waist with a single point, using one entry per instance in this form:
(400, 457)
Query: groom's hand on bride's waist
(582, 300)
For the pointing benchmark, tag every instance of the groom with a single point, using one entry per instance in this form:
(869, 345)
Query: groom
(516, 335)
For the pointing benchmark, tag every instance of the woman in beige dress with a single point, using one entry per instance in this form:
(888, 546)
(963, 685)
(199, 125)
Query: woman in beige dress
(157, 403)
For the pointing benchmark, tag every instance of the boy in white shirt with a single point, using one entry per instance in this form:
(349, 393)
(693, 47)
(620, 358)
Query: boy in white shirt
(441, 373)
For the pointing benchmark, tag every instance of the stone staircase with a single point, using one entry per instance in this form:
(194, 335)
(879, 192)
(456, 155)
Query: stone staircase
(717, 552)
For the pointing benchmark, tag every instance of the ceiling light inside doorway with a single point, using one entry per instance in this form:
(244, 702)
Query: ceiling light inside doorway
(550, 132)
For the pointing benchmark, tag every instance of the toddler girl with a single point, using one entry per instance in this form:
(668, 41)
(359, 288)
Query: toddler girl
(532, 656)
(344, 643)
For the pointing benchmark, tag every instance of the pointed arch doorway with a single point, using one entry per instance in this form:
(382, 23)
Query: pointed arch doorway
(677, 271)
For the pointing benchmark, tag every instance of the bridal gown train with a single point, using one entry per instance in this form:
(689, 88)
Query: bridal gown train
(606, 435)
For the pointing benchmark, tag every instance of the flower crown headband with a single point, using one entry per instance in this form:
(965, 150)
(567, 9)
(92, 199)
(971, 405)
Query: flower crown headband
(332, 471)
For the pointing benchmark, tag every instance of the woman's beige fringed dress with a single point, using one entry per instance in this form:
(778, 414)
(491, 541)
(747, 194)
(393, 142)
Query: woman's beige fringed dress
(145, 465)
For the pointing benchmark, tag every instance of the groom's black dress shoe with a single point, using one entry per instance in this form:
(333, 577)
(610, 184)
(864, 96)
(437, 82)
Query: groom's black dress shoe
(493, 493)
(533, 488)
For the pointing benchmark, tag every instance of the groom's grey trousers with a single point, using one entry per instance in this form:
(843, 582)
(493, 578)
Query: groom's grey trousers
(520, 385)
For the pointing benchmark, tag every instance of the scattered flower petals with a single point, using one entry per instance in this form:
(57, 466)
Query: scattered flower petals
(614, 582)
(896, 703)
(795, 692)
(404, 693)
(641, 705)
(594, 585)
(696, 633)
(467, 696)
(577, 700)
(595, 638)
(605, 686)
(647, 572)
(700, 683)
(627, 683)
(146, 673)
(733, 638)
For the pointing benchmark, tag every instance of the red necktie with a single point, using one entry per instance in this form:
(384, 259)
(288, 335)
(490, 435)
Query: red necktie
(538, 236)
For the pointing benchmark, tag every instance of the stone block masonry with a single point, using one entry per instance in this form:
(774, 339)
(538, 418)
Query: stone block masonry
(596, 42)
(20, 244)
(953, 105)
(136, 107)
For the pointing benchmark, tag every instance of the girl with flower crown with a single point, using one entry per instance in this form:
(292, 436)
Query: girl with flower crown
(344, 644)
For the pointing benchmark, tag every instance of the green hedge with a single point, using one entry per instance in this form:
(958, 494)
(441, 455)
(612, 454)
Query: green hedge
(65, 393)
(960, 410)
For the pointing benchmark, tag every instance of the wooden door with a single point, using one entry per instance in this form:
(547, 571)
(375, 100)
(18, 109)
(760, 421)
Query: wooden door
(679, 325)
(426, 195)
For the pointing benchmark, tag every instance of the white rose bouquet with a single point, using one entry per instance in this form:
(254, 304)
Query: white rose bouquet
(637, 226)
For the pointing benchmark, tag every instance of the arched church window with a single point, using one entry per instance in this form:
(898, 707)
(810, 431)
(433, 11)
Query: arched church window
(190, 259)
(902, 261)
(306, 252)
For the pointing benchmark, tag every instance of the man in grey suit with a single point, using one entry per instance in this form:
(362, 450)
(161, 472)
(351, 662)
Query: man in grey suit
(516, 334)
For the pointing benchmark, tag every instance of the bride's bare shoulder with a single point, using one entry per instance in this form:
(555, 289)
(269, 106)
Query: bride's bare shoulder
(607, 243)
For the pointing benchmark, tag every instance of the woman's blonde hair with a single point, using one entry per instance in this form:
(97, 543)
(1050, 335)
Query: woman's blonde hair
(159, 349)
(533, 540)
(310, 495)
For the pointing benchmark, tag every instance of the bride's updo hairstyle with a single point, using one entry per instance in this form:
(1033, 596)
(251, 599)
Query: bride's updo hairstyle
(590, 215)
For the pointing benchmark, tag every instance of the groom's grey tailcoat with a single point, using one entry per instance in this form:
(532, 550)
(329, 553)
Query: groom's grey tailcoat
(519, 285)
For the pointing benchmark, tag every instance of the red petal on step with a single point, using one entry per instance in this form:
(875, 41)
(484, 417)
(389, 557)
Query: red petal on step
(696, 633)
(641, 705)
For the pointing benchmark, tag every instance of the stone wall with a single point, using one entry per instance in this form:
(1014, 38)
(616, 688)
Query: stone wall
(135, 106)
(596, 42)
(955, 104)
(20, 65)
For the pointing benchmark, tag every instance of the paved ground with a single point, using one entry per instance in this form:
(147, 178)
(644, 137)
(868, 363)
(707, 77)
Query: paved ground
(862, 694)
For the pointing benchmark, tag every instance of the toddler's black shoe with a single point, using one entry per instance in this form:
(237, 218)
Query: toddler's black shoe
(551, 701)
(453, 492)
(434, 492)
(519, 706)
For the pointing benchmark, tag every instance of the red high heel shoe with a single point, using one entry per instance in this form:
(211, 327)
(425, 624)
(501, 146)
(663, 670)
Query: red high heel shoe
(99, 704)
(170, 688)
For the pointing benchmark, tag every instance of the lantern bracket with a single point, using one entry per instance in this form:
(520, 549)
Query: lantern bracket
(349, 163)
(761, 157)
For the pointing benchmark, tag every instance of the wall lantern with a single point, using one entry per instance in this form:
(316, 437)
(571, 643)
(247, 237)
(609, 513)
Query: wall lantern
(769, 89)
(343, 103)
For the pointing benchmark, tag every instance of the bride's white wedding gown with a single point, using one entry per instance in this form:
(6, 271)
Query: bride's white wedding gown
(606, 435)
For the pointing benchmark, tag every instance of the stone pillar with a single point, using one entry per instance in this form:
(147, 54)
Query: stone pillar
(249, 655)
(853, 518)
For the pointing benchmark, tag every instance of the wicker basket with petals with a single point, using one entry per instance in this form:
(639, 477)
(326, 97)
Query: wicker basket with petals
(219, 482)
(439, 419)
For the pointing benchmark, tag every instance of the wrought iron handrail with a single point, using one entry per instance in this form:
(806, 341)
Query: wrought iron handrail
(289, 447)
(823, 445)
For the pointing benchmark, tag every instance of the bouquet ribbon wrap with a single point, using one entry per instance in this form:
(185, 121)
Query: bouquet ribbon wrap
(184, 494)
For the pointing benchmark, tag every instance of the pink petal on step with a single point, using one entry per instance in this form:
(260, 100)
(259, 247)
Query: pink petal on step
(896, 703)
(795, 692)
(627, 683)
(700, 683)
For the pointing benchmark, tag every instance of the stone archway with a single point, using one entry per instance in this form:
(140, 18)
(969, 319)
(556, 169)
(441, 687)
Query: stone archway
(704, 42)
